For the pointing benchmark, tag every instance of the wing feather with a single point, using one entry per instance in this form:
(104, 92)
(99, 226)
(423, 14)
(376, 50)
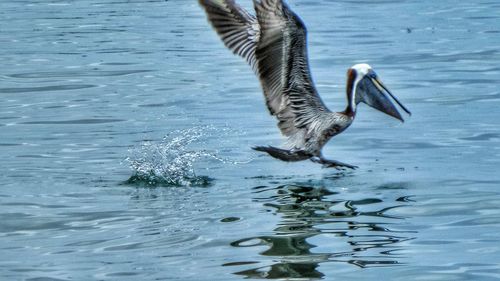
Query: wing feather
(283, 67)
(274, 43)
(238, 29)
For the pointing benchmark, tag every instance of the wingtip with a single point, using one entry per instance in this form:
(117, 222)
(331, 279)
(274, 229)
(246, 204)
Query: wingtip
(204, 3)
(256, 4)
(213, 3)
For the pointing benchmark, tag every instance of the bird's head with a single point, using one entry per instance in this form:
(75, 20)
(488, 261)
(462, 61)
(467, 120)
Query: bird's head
(363, 85)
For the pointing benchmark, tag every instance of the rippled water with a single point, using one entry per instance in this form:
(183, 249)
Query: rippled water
(96, 94)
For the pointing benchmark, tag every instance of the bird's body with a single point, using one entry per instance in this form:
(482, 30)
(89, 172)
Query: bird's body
(274, 43)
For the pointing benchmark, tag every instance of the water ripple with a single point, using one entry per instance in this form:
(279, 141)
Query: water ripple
(318, 225)
(73, 122)
(85, 80)
(45, 88)
(73, 73)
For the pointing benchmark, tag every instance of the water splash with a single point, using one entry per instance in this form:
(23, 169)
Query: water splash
(170, 162)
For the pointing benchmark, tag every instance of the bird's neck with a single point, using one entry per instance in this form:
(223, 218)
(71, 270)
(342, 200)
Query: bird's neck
(350, 112)
(350, 92)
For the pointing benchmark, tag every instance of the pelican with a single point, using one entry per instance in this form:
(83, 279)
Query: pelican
(274, 43)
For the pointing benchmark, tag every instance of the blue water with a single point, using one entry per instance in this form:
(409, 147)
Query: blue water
(125, 135)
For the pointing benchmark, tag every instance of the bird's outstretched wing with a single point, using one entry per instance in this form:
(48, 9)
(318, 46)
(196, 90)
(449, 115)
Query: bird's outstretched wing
(238, 29)
(283, 68)
(274, 43)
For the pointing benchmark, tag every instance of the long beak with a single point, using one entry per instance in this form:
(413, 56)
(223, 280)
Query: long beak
(375, 94)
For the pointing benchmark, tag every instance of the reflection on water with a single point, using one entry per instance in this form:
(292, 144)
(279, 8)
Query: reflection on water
(284, 270)
(319, 225)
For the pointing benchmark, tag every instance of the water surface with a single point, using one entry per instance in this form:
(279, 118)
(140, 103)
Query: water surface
(95, 93)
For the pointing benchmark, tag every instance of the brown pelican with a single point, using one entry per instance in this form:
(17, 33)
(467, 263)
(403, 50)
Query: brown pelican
(274, 44)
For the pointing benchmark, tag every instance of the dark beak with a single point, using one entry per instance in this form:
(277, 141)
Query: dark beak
(375, 94)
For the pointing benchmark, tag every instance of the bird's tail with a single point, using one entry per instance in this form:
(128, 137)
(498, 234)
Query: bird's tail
(283, 154)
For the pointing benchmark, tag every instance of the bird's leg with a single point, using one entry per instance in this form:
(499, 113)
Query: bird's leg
(284, 154)
(332, 163)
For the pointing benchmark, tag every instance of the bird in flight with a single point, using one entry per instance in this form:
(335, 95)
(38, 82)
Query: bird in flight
(274, 43)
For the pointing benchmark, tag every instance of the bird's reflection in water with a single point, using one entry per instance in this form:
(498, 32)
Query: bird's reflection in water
(319, 226)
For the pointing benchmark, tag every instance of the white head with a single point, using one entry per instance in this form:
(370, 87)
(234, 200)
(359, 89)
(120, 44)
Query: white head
(362, 68)
(359, 70)
(363, 85)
